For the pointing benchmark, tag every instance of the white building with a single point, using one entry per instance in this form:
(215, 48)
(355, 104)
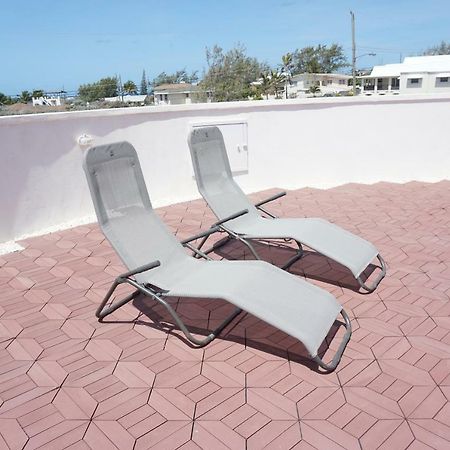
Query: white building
(137, 99)
(47, 101)
(178, 94)
(416, 75)
(328, 83)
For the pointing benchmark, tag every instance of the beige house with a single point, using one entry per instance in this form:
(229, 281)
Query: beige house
(179, 94)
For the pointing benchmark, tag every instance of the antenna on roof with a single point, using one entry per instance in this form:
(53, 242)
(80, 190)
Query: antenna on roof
(353, 52)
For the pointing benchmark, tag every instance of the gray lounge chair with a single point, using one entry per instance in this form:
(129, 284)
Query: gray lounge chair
(217, 186)
(128, 221)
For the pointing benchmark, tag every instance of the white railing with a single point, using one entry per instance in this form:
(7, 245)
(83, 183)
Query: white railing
(291, 144)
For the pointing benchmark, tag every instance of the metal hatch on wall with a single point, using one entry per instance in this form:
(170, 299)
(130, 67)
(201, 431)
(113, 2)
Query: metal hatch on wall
(236, 142)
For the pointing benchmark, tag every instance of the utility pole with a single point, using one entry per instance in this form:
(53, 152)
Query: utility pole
(353, 52)
(120, 89)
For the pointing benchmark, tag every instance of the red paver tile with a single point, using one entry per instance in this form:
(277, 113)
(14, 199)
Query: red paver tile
(204, 439)
(134, 374)
(171, 404)
(219, 404)
(168, 430)
(271, 403)
(223, 374)
(108, 434)
(103, 350)
(24, 349)
(59, 436)
(55, 311)
(379, 433)
(74, 403)
(406, 372)
(47, 373)
(231, 438)
(11, 435)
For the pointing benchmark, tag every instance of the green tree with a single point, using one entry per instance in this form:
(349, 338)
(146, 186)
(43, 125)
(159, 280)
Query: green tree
(130, 87)
(5, 99)
(106, 87)
(180, 76)
(441, 49)
(319, 59)
(144, 84)
(229, 75)
(25, 97)
(37, 93)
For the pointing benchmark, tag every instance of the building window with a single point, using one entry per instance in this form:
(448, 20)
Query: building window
(187, 94)
(414, 80)
(329, 81)
(161, 97)
(443, 79)
(166, 97)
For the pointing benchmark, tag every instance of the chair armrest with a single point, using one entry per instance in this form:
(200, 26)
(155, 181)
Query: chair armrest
(140, 269)
(203, 234)
(233, 216)
(271, 199)
(214, 227)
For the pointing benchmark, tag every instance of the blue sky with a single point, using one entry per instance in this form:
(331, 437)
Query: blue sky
(51, 44)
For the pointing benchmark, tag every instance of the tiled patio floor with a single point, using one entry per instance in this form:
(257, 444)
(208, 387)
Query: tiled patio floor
(68, 381)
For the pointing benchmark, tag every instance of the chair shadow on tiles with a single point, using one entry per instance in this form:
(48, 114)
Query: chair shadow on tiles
(312, 265)
(203, 315)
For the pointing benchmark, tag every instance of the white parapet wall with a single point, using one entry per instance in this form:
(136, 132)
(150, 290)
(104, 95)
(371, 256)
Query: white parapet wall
(291, 144)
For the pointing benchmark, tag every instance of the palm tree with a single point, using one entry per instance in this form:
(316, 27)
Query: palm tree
(266, 84)
(25, 97)
(278, 82)
(130, 87)
(314, 89)
(287, 71)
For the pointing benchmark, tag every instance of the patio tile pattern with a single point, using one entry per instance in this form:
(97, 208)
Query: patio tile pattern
(68, 381)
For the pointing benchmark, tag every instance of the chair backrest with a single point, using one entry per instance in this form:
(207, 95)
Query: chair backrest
(213, 174)
(123, 207)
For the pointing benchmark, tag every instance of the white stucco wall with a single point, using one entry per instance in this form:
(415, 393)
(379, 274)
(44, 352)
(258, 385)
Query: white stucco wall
(291, 144)
(428, 83)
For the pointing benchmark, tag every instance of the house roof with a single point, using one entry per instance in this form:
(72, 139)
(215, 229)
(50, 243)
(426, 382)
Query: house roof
(387, 70)
(324, 75)
(176, 87)
(413, 64)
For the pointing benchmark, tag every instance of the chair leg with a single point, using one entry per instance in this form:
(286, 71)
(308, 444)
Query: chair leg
(103, 311)
(338, 355)
(295, 258)
(377, 281)
(198, 342)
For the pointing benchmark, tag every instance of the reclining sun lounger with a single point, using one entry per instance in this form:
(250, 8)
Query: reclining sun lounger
(160, 267)
(217, 186)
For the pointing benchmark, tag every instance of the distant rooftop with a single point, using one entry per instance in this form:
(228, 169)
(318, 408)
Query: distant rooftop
(176, 87)
(328, 75)
(414, 64)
